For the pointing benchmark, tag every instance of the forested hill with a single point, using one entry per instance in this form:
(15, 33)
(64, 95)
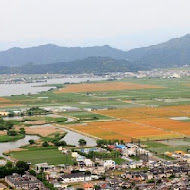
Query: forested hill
(175, 52)
(55, 59)
(46, 54)
(88, 65)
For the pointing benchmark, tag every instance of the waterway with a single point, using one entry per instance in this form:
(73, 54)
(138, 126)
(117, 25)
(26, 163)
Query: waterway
(7, 146)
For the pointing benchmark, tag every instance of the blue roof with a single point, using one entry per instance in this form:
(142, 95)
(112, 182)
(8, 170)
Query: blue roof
(120, 146)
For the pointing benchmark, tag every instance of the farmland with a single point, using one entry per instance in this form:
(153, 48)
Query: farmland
(124, 109)
(41, 155)
(109, 86)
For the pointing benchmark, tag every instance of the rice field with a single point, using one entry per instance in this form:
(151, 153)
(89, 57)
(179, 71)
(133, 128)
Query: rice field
(125, 130)
(109, 86)
(2, 100)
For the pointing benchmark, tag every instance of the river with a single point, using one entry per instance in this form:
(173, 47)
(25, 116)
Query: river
(72, 138)
(17, 89)
(5, 147)
(34, 88)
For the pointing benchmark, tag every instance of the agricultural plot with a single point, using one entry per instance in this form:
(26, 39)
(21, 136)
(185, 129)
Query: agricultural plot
(41, 155)
(87, 116)
(124, 130)
(159, 118)
(109, 86)
(3, 100)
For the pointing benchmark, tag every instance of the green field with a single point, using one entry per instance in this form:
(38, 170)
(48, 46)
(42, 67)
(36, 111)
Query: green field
(174, 92)
(161, 147)
(41, 155)
(85, 116)
(6, 138)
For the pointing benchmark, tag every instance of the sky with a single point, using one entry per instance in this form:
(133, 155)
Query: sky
(123, 24)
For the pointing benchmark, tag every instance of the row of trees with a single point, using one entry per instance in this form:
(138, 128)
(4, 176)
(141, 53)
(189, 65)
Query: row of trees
(93, 155)
(101, 142)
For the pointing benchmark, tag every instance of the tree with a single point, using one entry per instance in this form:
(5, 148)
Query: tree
(45, 144)
(22, 131)
(82, 142)
(59, 143)
(12, 133)
(31, 141)
(23, 165)
(9, 165)
(11, 114)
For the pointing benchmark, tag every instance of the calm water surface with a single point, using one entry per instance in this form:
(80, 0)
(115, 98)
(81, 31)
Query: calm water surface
(72, 138)
(33, 88)
(4, 147)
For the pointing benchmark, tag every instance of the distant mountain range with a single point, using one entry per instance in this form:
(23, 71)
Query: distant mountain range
(55, 59)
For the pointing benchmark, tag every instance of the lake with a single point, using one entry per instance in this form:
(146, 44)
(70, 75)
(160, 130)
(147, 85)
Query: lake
(34, 88)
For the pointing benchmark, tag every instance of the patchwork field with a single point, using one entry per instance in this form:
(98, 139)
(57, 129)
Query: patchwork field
(159, 118)
(144, 108)
(109, 86)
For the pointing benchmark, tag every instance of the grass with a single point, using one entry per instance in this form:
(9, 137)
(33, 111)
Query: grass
(162, 150)
(154, 144)
(165, 157)
(85, 116)
(136, 158)
(118, 160)
(41, 155)
(6, 138)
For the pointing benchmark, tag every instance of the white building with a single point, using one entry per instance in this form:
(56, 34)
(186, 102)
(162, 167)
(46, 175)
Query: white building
(75, 177)
(88, 162)
(109, 164)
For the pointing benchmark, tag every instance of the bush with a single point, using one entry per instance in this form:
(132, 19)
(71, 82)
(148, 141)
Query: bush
(12, 133)
(31, 141)
(82, 142)
(45, 144)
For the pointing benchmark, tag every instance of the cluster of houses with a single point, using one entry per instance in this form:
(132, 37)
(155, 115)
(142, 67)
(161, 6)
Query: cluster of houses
(7, 113)
(105, 174)
(26, 181)
(179, 155)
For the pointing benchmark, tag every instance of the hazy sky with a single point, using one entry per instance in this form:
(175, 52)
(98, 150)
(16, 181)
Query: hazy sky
(120, 23)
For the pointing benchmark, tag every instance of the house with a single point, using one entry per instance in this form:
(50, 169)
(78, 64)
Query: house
(88, 186)
(135, 164)
(74, 154)
(99, 170)
(88, 162)
(23, 182)
(2, 186)
(75, 177)
(4, 113)
(80, 158)
(43, 167)
(121, 147)
(109, 164)
(17, 112)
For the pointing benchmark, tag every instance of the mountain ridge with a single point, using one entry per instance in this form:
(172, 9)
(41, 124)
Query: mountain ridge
(172, 53)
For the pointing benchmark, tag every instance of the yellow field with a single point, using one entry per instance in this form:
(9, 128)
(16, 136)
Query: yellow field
(148, 112)
(124, 130)
(2, 100)
(111, 86)
(159, 118)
